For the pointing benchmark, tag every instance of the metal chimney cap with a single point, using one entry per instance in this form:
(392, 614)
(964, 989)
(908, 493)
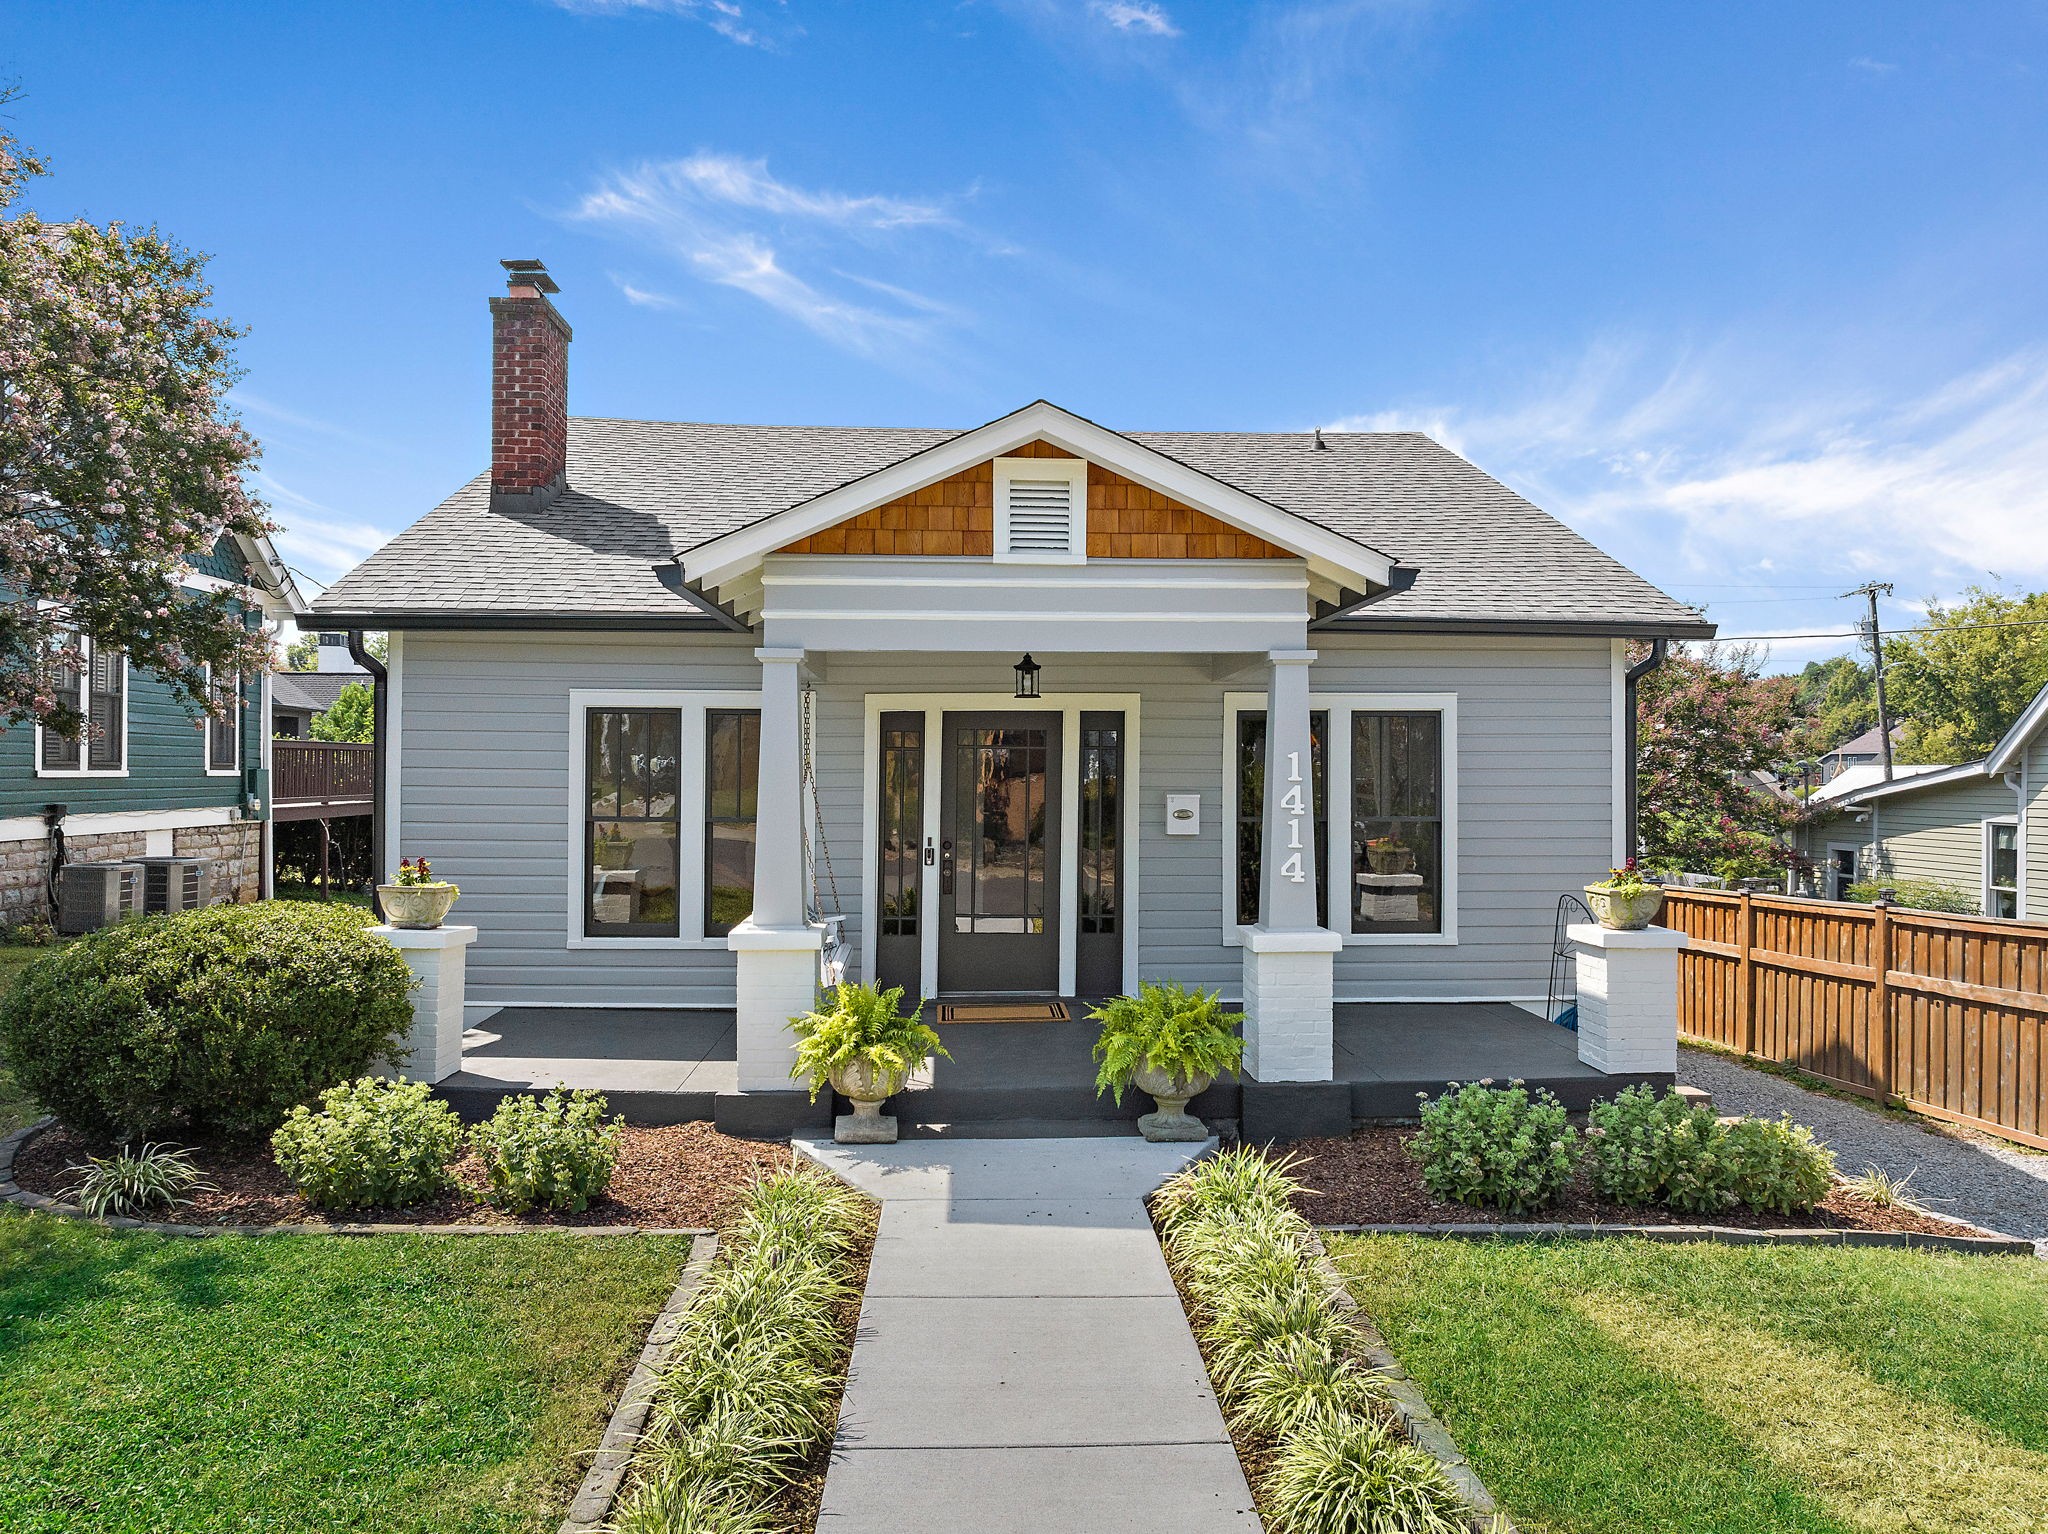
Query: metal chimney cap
(529, 274)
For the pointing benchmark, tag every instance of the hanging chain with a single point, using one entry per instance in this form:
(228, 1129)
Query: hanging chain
(810, 785)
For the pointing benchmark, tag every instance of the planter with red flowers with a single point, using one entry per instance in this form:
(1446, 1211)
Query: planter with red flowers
(418, 899)
(1625, 900)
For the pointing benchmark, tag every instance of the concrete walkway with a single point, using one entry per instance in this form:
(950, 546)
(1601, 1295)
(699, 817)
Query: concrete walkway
(1023, 1365)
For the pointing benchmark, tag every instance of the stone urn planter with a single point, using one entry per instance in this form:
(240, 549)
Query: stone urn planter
(867, 1087)
(1625, 912)
(416, 905)
(1390, 860)
(1172, 1123)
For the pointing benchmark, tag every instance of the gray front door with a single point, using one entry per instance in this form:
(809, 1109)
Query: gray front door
(999, 875)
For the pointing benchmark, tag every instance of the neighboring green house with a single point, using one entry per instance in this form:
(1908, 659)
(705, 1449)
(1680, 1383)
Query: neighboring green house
(148, 779)
(1981, 827)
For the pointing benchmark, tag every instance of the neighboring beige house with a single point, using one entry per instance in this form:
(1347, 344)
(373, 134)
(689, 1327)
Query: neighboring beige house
(1982, 826)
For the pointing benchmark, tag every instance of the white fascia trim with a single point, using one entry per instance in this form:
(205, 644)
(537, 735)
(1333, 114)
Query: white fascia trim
(1919, 780)
(26, 828)
(1337, 768)
(2014, 741)
(691, 704)
(718, 560)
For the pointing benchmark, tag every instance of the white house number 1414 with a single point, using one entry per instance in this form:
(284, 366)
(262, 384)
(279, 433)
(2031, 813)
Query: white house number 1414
(1291, 801)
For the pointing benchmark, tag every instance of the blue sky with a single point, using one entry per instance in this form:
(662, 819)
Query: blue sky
(1749, 294)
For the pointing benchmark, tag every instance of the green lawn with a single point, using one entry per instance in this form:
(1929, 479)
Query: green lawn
(395, 1383)
(1727, 1389)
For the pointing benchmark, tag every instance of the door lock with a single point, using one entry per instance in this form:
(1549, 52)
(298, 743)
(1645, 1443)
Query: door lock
(930, 857)
(946, 867)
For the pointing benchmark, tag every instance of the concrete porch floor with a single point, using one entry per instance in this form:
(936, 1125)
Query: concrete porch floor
(669, 1067)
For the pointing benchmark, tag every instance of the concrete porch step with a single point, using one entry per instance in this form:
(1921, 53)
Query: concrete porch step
(1040, 1129)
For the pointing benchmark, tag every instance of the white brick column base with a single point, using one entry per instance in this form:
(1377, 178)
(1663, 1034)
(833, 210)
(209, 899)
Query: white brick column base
(777, 980)
(436, 956)
(1289, 1014)
(1628, 997)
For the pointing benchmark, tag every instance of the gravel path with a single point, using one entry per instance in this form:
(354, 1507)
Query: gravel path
(1989, 1185)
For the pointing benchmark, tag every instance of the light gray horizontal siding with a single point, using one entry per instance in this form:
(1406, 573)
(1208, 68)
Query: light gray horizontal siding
(485, 785)
(484, 794)
(1938, 834)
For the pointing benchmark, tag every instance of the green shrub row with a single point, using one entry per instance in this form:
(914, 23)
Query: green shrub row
(1504, 1148)
(1281, 1357)
(751, 1390)
(378, 1144)
(208, 1021)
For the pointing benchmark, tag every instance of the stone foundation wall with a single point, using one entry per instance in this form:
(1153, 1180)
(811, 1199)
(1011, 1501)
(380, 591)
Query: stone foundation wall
(25, 865)
(237, 851)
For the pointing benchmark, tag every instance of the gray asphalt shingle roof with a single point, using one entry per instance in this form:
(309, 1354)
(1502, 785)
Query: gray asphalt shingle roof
(642, 491)
(315, 690)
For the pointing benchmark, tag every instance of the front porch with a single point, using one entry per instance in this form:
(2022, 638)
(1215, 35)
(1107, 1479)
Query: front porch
(1005, 1079)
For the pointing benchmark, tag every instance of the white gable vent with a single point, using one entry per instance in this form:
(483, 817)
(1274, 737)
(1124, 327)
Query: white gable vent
(1041, 510)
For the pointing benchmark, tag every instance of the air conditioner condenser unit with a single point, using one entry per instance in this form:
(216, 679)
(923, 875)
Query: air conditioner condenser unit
(176, 884)
(95, 895)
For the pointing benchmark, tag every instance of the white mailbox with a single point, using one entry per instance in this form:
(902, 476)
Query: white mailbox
(1183, 814)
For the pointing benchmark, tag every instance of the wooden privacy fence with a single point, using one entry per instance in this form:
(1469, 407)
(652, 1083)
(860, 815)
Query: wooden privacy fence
(1947, 1014)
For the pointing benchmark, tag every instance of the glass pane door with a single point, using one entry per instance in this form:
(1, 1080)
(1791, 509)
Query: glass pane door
(998, 859)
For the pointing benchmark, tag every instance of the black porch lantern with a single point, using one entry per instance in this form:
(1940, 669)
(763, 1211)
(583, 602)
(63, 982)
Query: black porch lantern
(1027, 678)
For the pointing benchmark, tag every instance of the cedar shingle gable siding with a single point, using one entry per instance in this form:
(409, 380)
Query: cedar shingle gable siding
(956, 515)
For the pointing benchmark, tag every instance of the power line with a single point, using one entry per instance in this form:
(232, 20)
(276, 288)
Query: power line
(1946, 628)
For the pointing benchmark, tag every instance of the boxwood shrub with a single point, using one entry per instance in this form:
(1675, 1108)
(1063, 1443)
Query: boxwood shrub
(218, 1020)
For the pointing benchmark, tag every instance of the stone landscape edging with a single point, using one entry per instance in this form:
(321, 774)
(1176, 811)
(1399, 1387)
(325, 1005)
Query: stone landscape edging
(1422, 1427)
(13, 1193)
(1729, 1235)
(592, 1504)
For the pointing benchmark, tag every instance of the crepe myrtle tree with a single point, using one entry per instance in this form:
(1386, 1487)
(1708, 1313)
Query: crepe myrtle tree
(118, 462)
(1710, 719)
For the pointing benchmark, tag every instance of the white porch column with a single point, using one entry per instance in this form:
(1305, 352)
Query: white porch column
(776, 949)
(1628, 997)
(436, 956)
(1287, 956)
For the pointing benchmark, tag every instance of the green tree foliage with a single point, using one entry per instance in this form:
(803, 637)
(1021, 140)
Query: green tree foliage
(1959, 683)
(119, 464)
(303, 653)
(1836, 701)
(1710, 719)
(352, 716)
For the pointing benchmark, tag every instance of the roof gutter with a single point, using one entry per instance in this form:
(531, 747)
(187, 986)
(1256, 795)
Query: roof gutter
(359, 652)
(1642, 668)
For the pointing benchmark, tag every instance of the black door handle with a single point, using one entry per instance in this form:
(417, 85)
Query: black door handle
(946, 867)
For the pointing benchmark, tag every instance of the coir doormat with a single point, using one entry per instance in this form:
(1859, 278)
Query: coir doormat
(1004, 1012)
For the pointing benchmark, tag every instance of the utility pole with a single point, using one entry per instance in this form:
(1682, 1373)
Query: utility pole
(1872, 590)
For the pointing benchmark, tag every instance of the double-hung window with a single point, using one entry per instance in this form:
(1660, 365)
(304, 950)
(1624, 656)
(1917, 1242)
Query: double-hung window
(1383, 773)
(665, 818)
(97, 686)
(2001, 868)
(223, 728)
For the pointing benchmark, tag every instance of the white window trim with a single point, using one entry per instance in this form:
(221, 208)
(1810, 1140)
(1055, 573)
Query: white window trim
(86, 649)
(1827, 873)
(1075, 472)
(206, 733)
(1337, 766)
(1985, 886)
(693, 705)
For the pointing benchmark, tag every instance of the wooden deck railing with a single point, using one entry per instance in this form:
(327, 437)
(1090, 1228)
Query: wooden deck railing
(1946, 1014)
(331, 777)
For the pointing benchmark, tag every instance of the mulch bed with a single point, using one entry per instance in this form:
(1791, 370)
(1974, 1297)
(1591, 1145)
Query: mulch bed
(687, 1176)
(1369, 1178)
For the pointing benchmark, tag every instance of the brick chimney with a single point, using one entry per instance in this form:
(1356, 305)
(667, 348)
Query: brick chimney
(529, 388)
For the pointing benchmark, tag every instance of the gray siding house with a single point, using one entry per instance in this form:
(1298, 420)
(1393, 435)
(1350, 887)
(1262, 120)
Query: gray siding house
(1981, 827)
(697, 712)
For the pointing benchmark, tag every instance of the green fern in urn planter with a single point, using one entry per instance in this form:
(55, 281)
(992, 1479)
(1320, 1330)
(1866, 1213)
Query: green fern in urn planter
(860, 1024)
(1185, 1033)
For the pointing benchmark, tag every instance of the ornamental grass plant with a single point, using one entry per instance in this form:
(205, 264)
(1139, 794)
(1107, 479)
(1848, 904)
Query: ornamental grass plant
(130, 1183)
(751, 1390)
(1284, 1360)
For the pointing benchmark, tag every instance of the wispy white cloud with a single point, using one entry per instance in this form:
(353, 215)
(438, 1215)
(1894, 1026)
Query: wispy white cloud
(754, 27)
(1873, 66)
(728, 221)
(315, 538)
(1135, 16)
(1708, 473)
(643, 298)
